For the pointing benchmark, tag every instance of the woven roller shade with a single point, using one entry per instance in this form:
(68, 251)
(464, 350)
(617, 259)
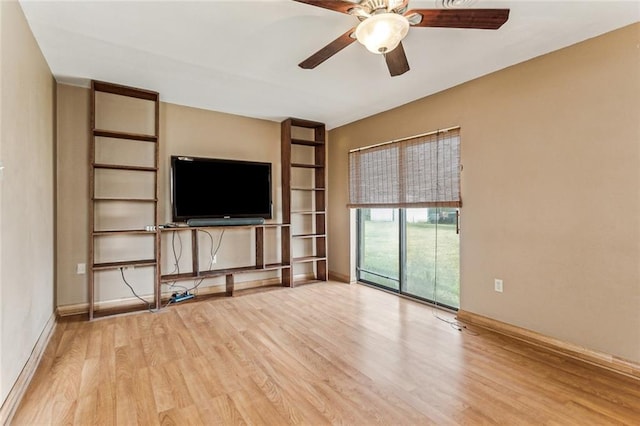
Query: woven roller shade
(422, 171)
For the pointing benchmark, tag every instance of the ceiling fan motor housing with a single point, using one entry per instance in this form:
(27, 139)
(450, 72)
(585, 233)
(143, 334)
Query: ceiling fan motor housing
(381, 6)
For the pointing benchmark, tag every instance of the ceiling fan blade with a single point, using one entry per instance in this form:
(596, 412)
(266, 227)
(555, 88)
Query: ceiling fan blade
(484, 19)
(328, 51)
(337, 5)
(397, 61)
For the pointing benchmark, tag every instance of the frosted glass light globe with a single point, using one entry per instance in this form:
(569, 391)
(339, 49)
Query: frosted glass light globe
(383, 32)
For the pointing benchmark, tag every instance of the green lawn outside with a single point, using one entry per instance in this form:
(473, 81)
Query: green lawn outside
(381, 256)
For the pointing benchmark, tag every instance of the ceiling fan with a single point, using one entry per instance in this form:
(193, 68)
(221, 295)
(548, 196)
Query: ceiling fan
(384, 23)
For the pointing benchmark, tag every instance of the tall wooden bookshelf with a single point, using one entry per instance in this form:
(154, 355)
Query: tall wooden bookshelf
(118, 158)
(304, 200)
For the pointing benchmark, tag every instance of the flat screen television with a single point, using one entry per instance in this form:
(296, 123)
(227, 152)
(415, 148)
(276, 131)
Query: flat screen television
(218, 188)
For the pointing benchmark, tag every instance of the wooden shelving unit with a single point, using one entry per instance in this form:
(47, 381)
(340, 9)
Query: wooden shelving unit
(304, 148)
(98, 136)
(258, 265)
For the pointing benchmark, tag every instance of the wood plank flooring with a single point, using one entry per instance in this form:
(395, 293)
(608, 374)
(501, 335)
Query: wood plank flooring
(320, 354)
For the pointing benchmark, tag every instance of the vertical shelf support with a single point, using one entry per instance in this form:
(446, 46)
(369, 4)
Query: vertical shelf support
(91, 242)
(156, 210)
(195, 261)
(320, 194)
(259, 246)
(285, 160)
(287, 272)
(318, 212)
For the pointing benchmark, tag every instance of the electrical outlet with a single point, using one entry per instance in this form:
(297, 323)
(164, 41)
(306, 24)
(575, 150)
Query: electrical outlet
(497, 285)
(81, 268)
(215, 259)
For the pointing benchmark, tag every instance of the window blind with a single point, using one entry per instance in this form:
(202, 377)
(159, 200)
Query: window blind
(420, 171)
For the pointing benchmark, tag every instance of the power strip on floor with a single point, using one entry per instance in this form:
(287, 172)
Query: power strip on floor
(181, 297)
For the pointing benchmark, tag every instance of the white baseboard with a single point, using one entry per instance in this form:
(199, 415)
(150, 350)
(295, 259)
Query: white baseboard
(11, 403)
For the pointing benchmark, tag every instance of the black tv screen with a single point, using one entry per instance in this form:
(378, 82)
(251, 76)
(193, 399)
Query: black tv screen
(219, 188)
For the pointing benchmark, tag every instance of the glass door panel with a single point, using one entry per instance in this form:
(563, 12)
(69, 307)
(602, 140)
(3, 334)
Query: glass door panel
(433, 255)
(379, 247)
(448, 260)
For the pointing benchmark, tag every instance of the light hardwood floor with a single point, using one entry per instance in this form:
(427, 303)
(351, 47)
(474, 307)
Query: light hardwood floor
(326, 353)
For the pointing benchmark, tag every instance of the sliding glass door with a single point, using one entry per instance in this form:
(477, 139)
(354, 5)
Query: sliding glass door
(412, 251)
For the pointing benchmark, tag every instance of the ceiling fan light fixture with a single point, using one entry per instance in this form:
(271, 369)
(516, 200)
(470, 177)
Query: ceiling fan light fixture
(381, 33)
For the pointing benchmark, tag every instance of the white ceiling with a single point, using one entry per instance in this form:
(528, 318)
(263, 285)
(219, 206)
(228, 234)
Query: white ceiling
(241, 56)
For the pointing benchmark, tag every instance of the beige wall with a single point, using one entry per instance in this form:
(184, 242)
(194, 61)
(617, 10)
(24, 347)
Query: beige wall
(550, 187)
(202, 133)
(183, 131)
(27, 191)
(72, 194)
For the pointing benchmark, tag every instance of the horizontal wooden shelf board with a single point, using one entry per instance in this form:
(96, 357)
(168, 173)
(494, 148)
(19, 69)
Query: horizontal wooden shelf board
(131, 92)
(309, 236)
(308, 259)
(307, 166)
(186, 227)
(125, 167)
(133, 200)
(307, 189)
(124, 135)
(125, 263)
(124, 232)
(309, 124)
(306, 142)
(308, 212)
(221, 272)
